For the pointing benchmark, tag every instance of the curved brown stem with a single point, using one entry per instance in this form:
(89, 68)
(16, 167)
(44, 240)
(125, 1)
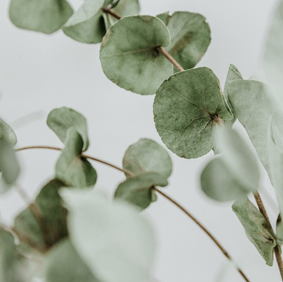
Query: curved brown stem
(110, 12)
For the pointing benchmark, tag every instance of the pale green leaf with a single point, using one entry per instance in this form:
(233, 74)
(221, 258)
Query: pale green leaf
(110, 236)
(71, 168)
(190, 38)
(7, 132)
(137, 190)
(129, 55)
(187, 108)
(61, 119)
(257, 229)
(279, 230)
(165, 17)
(235, 173)
(65, 265)
(45, 16)
(147, 156)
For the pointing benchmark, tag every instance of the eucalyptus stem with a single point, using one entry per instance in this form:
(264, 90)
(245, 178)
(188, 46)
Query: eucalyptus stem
(277, 249)
(157, 190)
(160, 49)
(226, 254)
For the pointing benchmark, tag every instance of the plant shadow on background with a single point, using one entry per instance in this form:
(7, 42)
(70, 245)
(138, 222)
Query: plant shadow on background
(74, 233)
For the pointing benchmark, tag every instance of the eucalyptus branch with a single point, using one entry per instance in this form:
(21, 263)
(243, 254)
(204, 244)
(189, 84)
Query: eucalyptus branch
(277, 249)
(110, 12)
(157, 190)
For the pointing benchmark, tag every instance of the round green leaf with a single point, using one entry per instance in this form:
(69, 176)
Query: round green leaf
(61, 119)
(187, 107)
(147, 156)
(7, 132)
(137, 190)
(165, 17)
(190, 38)
(129, 55)
(113, 238)
(45, 16)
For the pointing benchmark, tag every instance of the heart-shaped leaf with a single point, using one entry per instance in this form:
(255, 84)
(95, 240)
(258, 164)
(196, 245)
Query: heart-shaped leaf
(187, 107)
(65, 265)
(235, 173)
(257, 229)
(137, 190)
(190, 38)
(147, 156)
(110, 234)
(129, 55)
(60, 120)
(71, 168)
(45, 16)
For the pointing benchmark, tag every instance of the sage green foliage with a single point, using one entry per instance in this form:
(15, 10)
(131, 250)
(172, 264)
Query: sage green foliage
(45, 16)
(279, 230)
(129, 55)
(253, 107)
(190, 38)
(89, 24)
(185, 109)
(257, 229)
(127, 238)
(235, 173)
(165, 17)
(137, 190)
(61, 119)
(48, 206)
(147, 156)
(7, 132)
(71, 168)
(65, 265)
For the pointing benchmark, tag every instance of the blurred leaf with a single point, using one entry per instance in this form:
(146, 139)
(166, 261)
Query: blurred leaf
(65, 265)
(186, 108)
(257, 229)
(165, 17)
(137, 190)
(279, 230)
(7, 132)
(113, 239)
(129, 55)
(233, 175)
(61, 119)
(71, 168)
(190, 38)
(13, 266)
(48, 205)
(45, 16)
(147, 156)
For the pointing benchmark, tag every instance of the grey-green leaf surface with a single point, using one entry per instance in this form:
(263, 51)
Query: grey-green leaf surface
(137, 190)
(165, 17)
(13, 266)
(129, 55)
(190, 38)
(65, 265)
(235, 173)
(257, 229)
(45, 16)
(7, 132)
(48, 206)
(253, 107)
(147, 156)
(186, 109)
(71, 168)
(279, 230)
(113, 238)
(61, 119)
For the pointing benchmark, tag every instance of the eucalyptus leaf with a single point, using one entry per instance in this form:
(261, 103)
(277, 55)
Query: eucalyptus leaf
(165, 17)
(71, 168)
(279, 230)
(110, 236)
(137, 190)
(187, 108)
(61, 119)
(235, 173)
(65, 265)
(257, 229)
(7, 132)
(129, 55)
(147, 156)
(190, 38)
(45, 16)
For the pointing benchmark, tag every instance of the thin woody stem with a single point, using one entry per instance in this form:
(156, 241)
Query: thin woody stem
(110, 12)
(277, 249)
(157, 190)
(226, 254)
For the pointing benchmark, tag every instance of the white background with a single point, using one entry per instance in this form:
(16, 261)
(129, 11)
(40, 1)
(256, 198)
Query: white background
(40, 72)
